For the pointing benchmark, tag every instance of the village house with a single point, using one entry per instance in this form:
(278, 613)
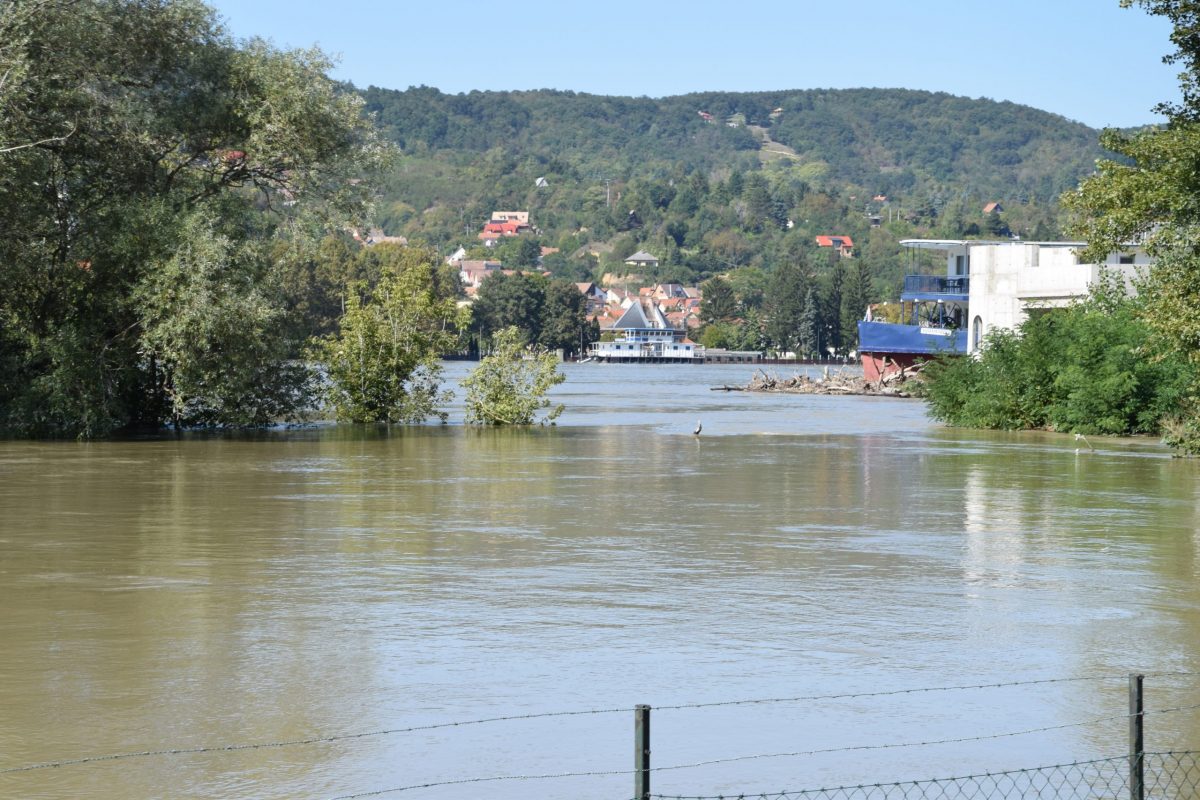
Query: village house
(666, 291)
(504, 224)
(843, 245)
(472, 272)
(619, 297)
(596, 297)
(642, 259)
(376, 236)
(519, 217)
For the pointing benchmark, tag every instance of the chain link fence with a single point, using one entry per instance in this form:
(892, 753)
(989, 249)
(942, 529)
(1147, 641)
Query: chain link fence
(1168, 776)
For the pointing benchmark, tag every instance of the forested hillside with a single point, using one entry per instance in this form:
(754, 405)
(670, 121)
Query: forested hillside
(932, 154)
(731, 184)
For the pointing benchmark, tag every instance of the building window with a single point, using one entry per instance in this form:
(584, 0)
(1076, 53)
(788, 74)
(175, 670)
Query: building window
(977, 333)
(1124, 258)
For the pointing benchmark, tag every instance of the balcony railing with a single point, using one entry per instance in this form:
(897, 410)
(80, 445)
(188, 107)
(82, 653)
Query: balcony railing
(884, 337)
(933, 284)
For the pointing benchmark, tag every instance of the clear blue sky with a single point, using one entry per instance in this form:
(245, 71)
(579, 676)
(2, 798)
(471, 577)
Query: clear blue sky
(1088, 60)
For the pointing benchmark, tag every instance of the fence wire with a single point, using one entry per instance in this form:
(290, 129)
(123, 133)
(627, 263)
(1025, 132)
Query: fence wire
(1168, 776)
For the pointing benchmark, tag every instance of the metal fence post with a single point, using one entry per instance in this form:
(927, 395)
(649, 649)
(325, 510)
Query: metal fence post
(641, 752)
(1137, 740)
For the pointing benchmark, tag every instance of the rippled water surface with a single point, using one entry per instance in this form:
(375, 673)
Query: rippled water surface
(317, 583)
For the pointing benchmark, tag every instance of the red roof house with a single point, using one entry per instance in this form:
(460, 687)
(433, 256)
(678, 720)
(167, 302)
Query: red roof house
(843, 244)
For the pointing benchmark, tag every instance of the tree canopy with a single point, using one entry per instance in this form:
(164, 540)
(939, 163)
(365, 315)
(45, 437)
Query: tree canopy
(154, 176)
(1151, 198)
(510, 385)
(383, 364)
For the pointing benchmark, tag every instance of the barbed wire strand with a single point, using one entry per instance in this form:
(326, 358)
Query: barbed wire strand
(1170, 675)
(887, 693)
(758, 756)
(832, 789)
(515, 717)
(174, 751)
(291, 742)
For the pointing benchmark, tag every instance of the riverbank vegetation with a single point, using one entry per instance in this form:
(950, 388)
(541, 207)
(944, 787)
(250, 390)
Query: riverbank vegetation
(1095, 367)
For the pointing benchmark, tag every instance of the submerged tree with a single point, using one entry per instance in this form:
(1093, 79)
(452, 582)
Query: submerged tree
(383, 364)
(148, 166)
(509, 386)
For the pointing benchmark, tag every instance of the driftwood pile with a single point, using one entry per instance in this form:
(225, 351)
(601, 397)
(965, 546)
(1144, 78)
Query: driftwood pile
(891, 385)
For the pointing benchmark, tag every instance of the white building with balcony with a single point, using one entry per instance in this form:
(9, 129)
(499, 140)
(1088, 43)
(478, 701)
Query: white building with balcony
(987, 285)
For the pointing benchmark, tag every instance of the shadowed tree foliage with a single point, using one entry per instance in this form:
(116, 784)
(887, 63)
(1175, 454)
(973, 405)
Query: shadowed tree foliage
(564, 319)
(719, 302)
(858, 294)
(808, 341)
(514, 300)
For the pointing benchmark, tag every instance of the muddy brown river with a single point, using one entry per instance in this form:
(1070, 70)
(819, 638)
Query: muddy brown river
(218, 593)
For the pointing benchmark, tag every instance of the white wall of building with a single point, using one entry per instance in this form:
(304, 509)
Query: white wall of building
(1010, 278)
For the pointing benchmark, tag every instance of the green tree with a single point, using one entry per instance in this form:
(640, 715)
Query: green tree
(858, 294)
(519, 252)
(212, 327)
(808, 334)
(1089, 368)
(1150, 197)
(784, 304)
(718, 301)
(749, 286)
(510, 385)
(564, 324)
(831, 317)
(513, 300)
(152, 172)
(383, 364)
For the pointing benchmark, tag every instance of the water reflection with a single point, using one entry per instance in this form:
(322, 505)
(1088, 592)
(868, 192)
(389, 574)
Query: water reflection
(335, 580)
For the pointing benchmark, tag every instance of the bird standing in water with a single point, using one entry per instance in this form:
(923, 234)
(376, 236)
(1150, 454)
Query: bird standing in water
(699, 427)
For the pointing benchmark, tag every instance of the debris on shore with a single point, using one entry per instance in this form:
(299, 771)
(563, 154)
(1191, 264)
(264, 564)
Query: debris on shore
(895, 384)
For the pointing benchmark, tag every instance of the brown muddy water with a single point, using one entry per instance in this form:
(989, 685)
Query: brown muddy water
(319, 583)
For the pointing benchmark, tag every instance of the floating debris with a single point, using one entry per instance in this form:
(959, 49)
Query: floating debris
(895, 384)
